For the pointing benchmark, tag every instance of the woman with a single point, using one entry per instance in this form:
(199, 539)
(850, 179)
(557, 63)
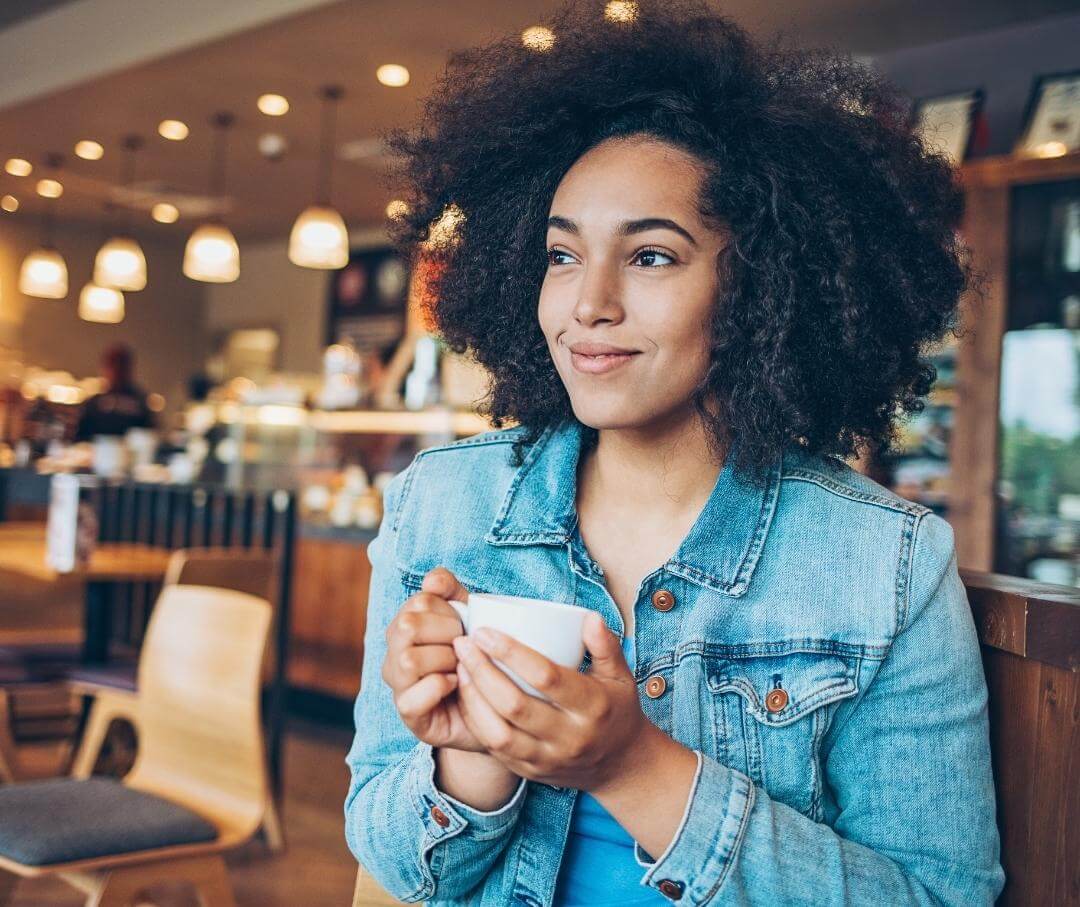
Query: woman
(700, 274)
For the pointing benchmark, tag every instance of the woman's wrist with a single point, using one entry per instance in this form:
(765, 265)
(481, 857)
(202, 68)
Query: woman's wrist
(476, 779)
(647, 794)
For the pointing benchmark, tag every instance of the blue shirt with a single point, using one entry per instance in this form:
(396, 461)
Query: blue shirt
(598, 866)
(818, 654)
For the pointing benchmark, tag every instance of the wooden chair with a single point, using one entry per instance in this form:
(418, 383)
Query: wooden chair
(1030, 635)
(369, 893)
(9, 757)
(252, 571)
(201, 751)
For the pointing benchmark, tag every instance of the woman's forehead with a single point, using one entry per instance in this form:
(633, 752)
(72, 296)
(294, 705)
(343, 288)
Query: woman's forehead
(622, 180)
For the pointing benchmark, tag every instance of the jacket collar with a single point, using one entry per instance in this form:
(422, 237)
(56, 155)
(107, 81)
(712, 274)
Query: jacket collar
(720, 551)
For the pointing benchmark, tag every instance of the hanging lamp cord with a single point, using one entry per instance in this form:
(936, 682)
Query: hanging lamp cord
(331, 94)
(222, 122)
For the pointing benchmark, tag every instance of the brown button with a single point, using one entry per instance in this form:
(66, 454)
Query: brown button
(655, 686)
(670, 889)
(663, 600)
(441, 818)
(776, 700)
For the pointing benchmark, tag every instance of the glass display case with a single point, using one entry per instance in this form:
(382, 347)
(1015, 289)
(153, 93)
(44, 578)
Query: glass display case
(919, 468)
(339, 461)
(1038, 487)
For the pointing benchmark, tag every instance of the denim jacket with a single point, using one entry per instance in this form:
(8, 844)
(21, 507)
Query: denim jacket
(819, 656)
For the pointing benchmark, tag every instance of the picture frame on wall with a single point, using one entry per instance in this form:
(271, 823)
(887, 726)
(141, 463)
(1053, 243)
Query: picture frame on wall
(367, 300)
(1051, 124)
(946, 122)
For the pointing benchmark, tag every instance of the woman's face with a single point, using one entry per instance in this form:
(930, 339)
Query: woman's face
(631, 283)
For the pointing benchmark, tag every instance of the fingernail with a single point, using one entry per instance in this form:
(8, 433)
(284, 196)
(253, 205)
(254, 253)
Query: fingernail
(463, 646)
(463, 673)
(487, 639)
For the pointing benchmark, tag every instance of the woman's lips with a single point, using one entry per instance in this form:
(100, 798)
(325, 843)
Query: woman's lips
(599, 365)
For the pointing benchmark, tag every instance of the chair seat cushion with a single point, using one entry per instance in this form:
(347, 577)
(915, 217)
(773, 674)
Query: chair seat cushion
(64, 819)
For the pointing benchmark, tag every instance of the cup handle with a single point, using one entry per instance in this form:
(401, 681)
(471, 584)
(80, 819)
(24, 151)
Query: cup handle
(462, 610)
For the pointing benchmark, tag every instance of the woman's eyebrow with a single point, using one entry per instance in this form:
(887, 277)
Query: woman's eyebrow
(627, 227)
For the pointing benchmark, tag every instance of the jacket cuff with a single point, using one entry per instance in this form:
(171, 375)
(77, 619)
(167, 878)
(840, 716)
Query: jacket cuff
(445, 817)
(706, 844)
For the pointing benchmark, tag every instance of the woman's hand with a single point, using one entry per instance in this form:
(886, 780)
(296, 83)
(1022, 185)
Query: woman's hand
(588, 734)
(420, 663)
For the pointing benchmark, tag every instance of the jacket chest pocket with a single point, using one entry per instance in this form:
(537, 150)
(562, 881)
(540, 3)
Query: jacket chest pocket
(770, 714)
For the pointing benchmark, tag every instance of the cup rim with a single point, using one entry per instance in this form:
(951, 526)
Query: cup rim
(522, 600)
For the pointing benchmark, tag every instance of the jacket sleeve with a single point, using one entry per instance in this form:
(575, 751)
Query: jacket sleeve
(389, 822)
(909, 769)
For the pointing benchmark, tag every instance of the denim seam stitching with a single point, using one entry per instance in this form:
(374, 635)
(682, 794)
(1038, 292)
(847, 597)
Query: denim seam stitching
(496, 436)
(527, 464)
(903, 571)
(764, 650)
(744, 822)
(900, 506)
(751, 554)
(399, 505)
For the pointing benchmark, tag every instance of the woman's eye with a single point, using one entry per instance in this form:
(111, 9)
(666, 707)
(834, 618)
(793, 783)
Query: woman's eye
(648, 257)
(553, 256)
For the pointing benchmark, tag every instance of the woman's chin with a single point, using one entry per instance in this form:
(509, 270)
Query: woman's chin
(606, 415)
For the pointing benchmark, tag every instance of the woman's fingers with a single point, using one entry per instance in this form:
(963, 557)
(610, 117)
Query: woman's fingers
(414, 662)
(417, 700)
(512, 704)
(560, 685)
(421, 620)
(497, 735)
(442, 583)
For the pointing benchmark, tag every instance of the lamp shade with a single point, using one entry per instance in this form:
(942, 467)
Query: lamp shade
(101, 304)
(212, 255)
(44, 274)
(120, 265)
(319, 239)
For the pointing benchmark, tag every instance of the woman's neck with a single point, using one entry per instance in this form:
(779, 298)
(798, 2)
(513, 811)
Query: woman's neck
(667, 467)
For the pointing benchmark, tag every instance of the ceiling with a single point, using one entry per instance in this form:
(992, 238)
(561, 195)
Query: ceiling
(343, 42)
(12, 11)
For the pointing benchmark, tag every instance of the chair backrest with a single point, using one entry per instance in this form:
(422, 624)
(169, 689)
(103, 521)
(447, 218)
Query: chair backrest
(368, 893)
(1030, 635)
(200, 740)
(250, 570)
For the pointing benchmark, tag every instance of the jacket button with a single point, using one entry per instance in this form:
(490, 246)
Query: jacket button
(670, 889)
(655, 686)
(776, 700)
(663, 600)
(441, 818)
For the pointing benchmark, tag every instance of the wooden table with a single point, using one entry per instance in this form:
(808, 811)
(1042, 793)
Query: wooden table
(22, 554)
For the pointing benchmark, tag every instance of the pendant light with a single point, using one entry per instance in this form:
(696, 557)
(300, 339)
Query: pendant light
(120, 263)
(44, 272)
(319, 238)
(211, 254)
(101, 304)
(104, 305)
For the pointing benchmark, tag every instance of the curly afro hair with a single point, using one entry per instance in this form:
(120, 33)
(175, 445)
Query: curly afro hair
(845, 264)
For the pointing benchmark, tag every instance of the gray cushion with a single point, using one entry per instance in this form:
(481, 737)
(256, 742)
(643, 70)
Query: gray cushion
(65, 819)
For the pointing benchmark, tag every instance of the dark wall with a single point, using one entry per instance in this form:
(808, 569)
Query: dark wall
(1004, 63)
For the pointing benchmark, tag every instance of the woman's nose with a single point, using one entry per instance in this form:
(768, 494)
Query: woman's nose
(599, 299)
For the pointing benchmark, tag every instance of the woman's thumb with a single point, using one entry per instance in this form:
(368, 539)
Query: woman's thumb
(604, 648)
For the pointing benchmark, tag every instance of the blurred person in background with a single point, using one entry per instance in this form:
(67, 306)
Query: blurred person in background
(122, 405)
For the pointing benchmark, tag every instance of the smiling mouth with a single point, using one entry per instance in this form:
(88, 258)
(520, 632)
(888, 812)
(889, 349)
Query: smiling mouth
(599, 364)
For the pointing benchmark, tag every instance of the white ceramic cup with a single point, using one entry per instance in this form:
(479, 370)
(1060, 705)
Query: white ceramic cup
(551, 628)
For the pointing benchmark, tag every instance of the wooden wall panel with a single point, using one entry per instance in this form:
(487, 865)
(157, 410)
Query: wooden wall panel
(975, 437)
(330, 587)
